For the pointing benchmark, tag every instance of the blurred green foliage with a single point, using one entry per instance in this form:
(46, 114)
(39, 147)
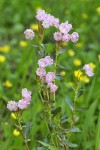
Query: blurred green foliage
(18, 62)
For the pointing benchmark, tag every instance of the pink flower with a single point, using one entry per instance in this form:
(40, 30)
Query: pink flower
(41, 72)
(26, 94)
(88, 70)
(58, 36)
(46, 24)
(12, 106)
(22, 104)
(56, 22)
(74, 37)
(41, 15)
(29, 34)
(65, 27)
(42, 63)
(66, 38)
(48, 61)
(50, 76)
(53, 87)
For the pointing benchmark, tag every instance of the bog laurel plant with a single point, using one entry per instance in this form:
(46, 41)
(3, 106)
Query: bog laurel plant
(59, 134)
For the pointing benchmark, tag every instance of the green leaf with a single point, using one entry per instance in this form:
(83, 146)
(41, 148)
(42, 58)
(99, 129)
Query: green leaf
(70, 144)
(69, 103)
(59, 77)
(74, 129)
(64, 118)
(50, 147)
(56, 111)
(82, 109)
(80, 92)
(60, 66)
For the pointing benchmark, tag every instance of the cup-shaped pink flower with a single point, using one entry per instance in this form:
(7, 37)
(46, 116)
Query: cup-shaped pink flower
(66, 38)
(65, 27)
(53, 88)
(50, 76)
(12, 106)
(22, 104)
(88, 70)
(41, 72)
(74, 37)
(58, 36)
(41, 15)
(29, 34)
(48, 60)
(42, 63)
(26, 94)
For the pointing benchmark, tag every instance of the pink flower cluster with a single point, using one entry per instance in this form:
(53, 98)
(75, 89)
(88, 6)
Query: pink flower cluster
(48, 77)
(47, 19)
(88, 70)
(63, 35)
(29, 34)
(21, 104)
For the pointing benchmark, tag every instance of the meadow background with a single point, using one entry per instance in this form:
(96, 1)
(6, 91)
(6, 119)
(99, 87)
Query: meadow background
(18, 63)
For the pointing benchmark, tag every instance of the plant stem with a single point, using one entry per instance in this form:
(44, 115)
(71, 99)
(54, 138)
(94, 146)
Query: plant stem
(21, 130)
(55, 64)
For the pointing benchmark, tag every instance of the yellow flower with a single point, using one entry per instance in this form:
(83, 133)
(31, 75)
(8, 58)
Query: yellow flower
(63, 73)
(13, 116)
(23, 43)
(34, 26)
(79, 45)
(84, 79)
(98, 10)
(77, 62)
(78, 74)
(7, 83)
(64, 43)
(16, 132)
(2, 58)
(92, 65)
(71, 52)
(5, 49)
(84, 16)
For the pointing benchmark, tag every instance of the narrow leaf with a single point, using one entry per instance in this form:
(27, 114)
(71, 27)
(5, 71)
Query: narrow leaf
(50, 147)
(56, 111)
(69, 102)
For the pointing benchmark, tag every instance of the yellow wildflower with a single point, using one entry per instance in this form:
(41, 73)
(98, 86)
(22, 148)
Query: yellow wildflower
(34, 26)
(98, 10)
(5, 49)
(63, 73)
(92, 65)
(2, 58)
(79, 45)
(78, 74)
(77, 62)
(64, 43)
(7, 83)
(71, 52)
(23, 43)
(84, 79)
(13, 116)
(16, 132)
(84, 16)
